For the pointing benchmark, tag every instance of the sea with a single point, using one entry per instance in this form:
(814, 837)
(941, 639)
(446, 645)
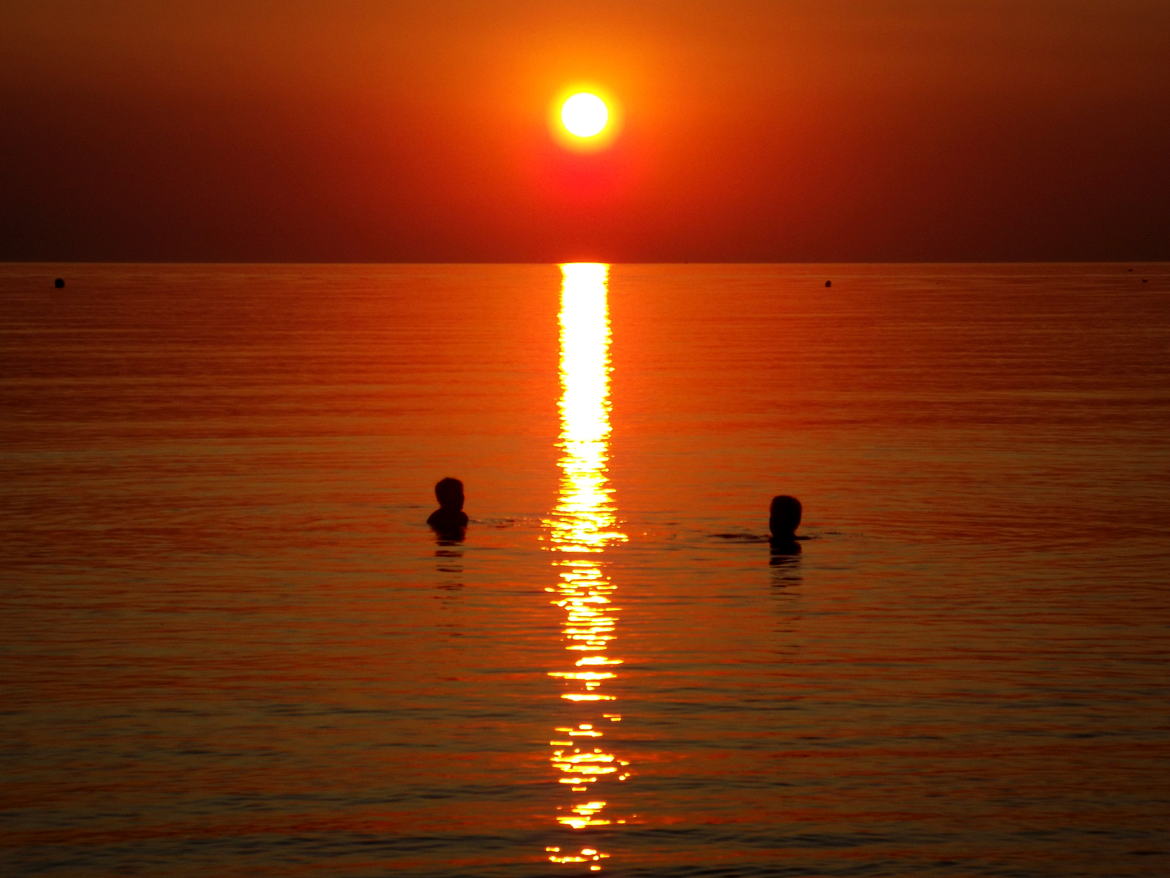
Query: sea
(232, 646)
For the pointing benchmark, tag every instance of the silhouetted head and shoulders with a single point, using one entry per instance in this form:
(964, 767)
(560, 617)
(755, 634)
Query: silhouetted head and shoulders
(449, 521)
(783, 520)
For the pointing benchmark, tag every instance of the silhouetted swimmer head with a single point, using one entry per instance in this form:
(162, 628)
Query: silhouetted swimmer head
(59, 283)
(784, 518)
(449, 521)
(449, 493)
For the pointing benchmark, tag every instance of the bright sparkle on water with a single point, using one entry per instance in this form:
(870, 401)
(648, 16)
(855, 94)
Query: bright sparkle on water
(582, 526)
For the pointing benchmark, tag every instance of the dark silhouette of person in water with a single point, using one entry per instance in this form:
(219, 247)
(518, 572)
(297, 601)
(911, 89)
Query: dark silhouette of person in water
(783, 520)
(449, 521)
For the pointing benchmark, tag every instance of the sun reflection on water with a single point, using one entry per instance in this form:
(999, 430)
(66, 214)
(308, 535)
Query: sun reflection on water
(582, 525)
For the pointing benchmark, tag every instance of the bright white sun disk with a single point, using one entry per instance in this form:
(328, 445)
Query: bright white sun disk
(584, 114)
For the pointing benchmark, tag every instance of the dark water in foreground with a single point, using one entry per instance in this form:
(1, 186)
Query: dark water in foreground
(231, 648)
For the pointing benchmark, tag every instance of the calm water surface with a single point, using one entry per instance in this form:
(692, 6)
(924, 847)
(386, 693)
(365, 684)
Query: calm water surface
(232, 648)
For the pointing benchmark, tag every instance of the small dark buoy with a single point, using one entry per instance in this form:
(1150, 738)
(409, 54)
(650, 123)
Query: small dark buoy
(828, 283)
(59, 282)
(1145, 281)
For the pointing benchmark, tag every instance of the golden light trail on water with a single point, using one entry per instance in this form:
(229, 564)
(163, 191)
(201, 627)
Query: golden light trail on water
(581, 526)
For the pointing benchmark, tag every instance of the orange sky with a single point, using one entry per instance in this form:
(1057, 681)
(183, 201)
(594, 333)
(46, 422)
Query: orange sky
(755, 130)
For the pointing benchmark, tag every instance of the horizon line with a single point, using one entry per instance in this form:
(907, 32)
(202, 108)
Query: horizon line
(193, 261)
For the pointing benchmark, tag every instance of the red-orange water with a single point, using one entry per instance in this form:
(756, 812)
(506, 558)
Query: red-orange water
(232, 647)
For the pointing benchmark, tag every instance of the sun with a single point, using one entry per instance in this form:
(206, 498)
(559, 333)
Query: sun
(585, 117)
(584, 114)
